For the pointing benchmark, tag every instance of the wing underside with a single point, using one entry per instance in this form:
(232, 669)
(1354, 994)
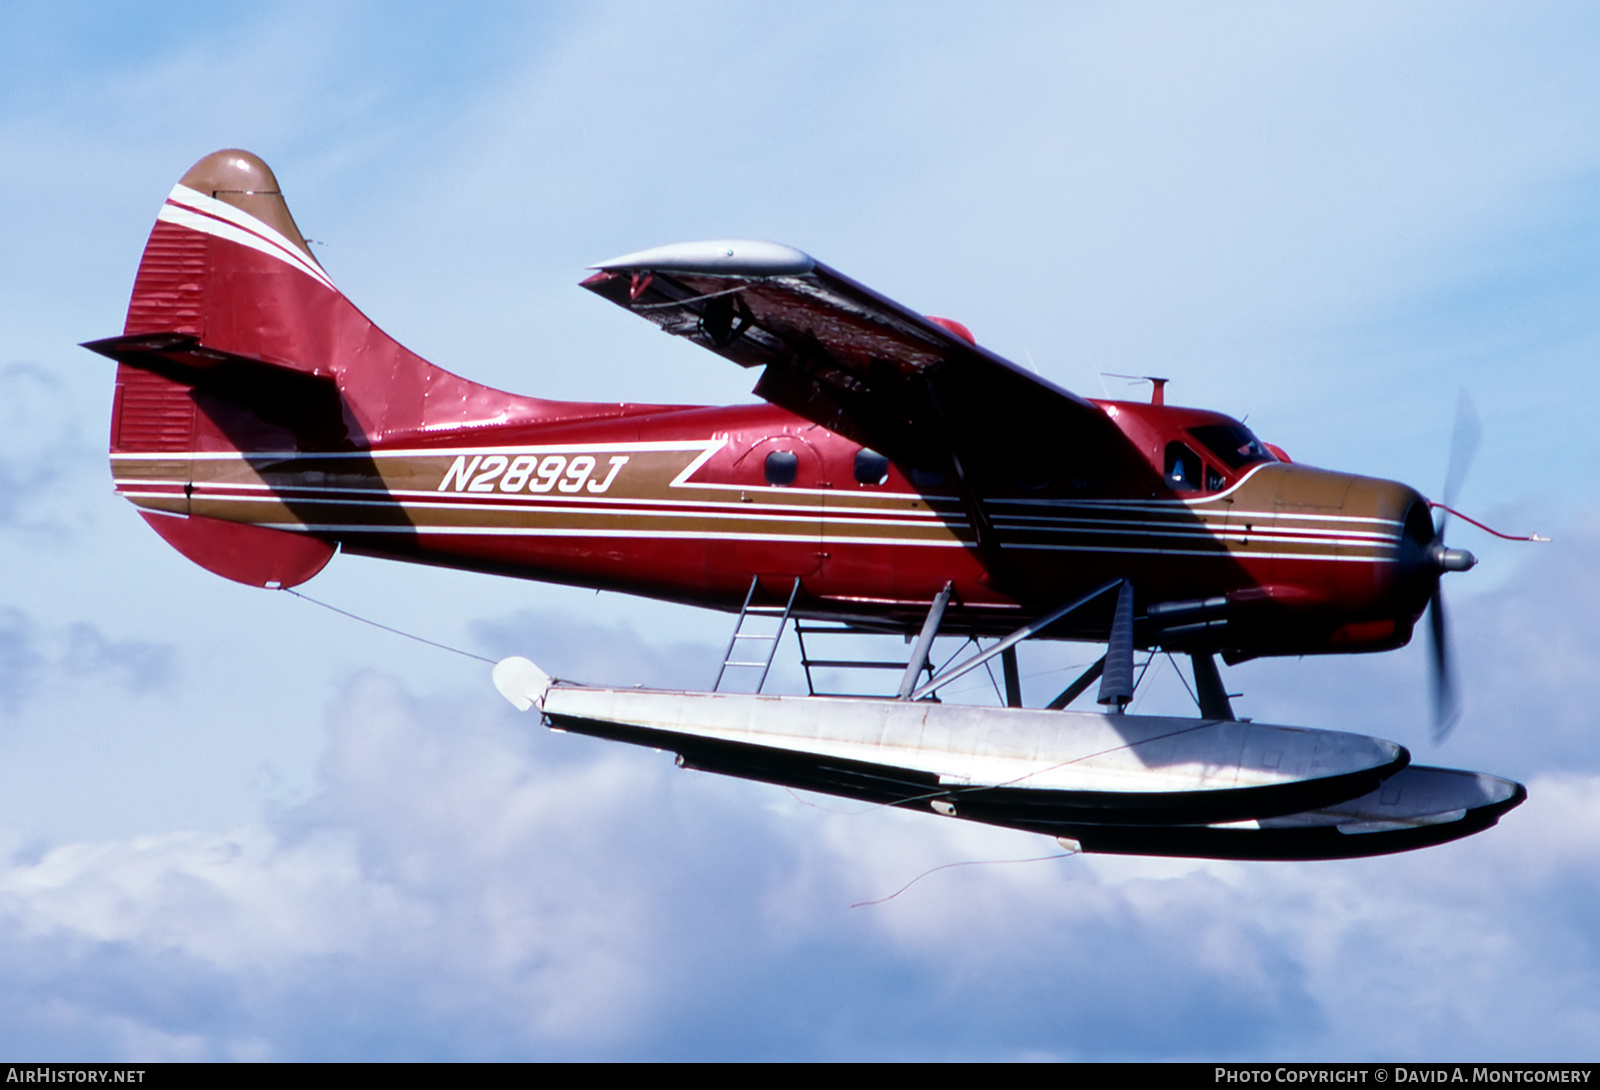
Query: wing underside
(841, 355)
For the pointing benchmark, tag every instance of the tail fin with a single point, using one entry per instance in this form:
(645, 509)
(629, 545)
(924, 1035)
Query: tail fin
(237, 341)
(186, 285)
(227, 278)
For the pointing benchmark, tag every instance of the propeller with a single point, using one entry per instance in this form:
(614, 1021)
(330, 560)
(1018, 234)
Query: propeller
(1463, 446)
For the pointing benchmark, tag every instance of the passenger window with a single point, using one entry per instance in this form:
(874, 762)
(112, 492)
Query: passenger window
(1183, 468)
(871, 467)
(782, 467)
(927, 478)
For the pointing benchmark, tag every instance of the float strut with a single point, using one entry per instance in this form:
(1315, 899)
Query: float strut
(1077, 688)
(1208, 688)
(1116, 682)
(1015, 638)
(1008, 661)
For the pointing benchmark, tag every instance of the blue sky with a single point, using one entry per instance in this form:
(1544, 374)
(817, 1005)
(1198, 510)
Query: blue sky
(233, 825)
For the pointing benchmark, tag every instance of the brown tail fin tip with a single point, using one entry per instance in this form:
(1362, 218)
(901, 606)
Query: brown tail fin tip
(246, 182)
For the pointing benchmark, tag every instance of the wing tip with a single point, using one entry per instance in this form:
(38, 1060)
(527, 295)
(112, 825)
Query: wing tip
(725, 257)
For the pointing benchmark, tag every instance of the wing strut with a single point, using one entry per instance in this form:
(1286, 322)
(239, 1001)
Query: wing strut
(919, 655)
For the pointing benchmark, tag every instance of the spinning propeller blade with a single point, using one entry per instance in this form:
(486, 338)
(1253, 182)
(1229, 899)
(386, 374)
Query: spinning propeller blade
(1446, 708)
(1463, 446)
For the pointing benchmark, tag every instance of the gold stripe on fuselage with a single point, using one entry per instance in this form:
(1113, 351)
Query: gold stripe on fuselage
(647, 490)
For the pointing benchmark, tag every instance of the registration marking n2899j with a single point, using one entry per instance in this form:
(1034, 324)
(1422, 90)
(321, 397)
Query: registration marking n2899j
(530, 472)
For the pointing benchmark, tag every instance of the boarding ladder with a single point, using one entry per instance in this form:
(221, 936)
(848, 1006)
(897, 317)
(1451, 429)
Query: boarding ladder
(750, 612)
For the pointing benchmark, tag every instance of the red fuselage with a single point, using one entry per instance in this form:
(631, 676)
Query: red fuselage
(681, 504)
(262, 421)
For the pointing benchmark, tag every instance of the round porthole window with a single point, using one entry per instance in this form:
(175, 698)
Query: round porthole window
(871, 467)
(782, 466)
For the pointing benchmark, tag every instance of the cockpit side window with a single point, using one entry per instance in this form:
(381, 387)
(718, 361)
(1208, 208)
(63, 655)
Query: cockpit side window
(1233, 444)
(1184, 468)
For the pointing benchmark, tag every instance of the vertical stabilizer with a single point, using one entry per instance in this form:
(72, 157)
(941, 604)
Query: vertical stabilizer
(238, 341)
(246, 381)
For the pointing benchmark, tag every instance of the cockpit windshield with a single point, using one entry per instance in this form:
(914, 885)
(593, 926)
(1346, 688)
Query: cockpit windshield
(1233, 444)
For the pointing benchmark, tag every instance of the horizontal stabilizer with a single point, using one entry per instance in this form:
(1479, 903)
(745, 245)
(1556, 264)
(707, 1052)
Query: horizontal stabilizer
(245, 394)
(179, 354)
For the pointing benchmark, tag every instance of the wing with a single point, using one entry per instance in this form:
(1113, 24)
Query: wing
(840, 354)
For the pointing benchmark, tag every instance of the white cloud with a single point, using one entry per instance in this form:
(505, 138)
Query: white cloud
(465, 884)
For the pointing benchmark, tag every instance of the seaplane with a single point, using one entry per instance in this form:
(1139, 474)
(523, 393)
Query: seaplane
(896, 478)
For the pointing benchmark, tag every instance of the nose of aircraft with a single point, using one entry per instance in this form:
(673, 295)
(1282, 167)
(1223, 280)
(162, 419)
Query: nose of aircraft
(1422, 560)
(1422, 555)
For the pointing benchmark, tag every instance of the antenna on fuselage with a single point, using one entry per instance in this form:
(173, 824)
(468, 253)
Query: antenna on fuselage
(1158, 385)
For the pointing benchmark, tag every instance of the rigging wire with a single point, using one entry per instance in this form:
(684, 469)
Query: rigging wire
(951, 866)
(1183, 680)
(386, 628)
(832, 810)
(947, 793)
(988, 668)
(1138, 696)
